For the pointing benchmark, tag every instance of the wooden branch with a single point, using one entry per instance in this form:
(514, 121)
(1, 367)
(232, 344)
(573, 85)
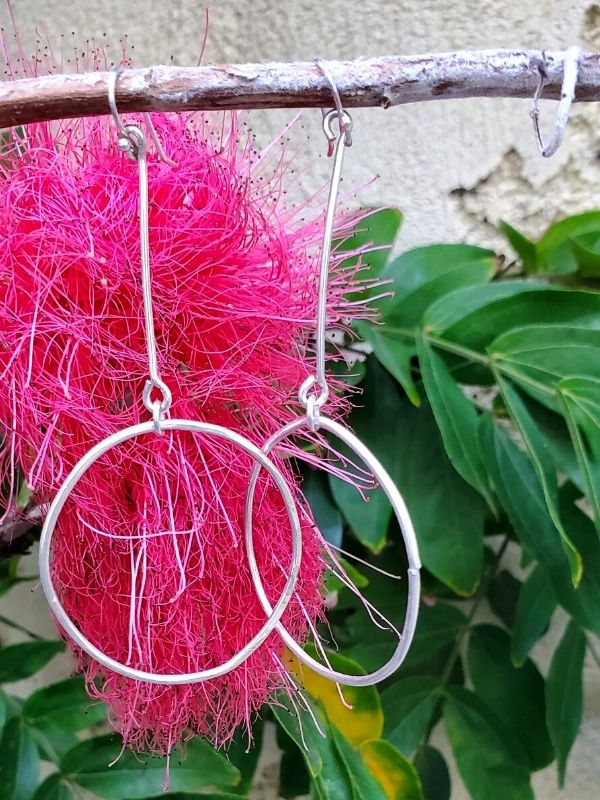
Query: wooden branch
(386, 81)
(19, 531)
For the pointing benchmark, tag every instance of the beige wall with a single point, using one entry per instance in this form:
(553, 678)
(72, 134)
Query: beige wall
(454, 168)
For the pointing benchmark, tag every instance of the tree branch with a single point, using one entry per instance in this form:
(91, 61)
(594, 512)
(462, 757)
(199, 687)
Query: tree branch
(19, 531)
(384, 82)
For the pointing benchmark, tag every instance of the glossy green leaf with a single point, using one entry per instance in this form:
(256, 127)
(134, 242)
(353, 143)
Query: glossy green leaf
(55, 788)
(543, 462)
(364, 785)
(437, 628)
(522, 246)
(456, 418)
(19, 762)
(476, 315)
(408, 706)
(447, 513)
(587, 256)
(377, 230)
(434, 774)
(581, 406)
(325, 512)
(394, 354)
(64, 705)
(19, 661)
(515, 694)
(539, 356)
(395, 774)
(132, 777)
(420, 276)
(535, 607)
(359, 716)
(564, 694)
(369, 520)
(555, 248)
(488, 759)
(520, 493)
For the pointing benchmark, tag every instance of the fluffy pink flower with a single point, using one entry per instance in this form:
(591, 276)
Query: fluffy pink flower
(148, 556)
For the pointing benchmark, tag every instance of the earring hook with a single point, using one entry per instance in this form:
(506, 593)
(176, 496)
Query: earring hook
(567, 95)
(127, 139)
(344, 119)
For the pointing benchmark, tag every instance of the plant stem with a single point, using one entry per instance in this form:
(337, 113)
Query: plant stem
(11, 624)
(455, 653)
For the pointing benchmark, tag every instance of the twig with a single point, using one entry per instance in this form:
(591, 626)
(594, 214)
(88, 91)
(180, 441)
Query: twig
(385, 81)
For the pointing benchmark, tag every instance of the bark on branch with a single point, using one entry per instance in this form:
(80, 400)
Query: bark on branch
(384, 82)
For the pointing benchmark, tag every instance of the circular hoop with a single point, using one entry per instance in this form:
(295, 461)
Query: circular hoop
(408, 535)
(69, 484)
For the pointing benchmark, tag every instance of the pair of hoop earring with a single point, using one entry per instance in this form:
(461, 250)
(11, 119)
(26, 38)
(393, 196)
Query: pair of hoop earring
(313, 395)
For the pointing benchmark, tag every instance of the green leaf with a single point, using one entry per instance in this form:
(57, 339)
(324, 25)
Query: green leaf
(20, 661)
(363, 784)
(456, 418)
(476, 315)
(544, 464)
(488, 759)
(325, 512)
(55, 788)
(360, 716)
(520, 493)
(434, 492)
(421, 276)
(564, 694)
(394, 354)
(434, 774)
(502, 595)
(516, 695)
(539, 356)
(19, 762)
(293, 775)
(587, 258)
(555, 248)
(408, 706)
(244, 756)
(378, 228)
(64, 705)
(195, 796)
(522, 246)
(437, 628)
(397, 776)
(9, 573)
(535, 607)
(581, 405)
(132, 777)
(369, 520)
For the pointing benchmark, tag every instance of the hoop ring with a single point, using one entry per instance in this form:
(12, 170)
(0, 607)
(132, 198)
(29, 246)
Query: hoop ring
(69, 484)
(408, 535)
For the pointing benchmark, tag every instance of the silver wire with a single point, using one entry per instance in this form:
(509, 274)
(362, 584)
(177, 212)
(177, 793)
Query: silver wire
(567, 95)
(133, 143)
(319, 379)
(274, 615)
(408, 535)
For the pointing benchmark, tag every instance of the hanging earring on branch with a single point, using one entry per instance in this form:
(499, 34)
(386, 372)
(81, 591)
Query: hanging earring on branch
(313, 395)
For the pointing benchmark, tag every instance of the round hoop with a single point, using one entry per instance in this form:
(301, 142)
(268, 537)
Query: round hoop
(69, 484)
(408, 535)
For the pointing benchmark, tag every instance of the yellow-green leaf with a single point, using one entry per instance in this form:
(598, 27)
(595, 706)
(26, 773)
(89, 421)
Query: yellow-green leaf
(397, 776)
(364, 718)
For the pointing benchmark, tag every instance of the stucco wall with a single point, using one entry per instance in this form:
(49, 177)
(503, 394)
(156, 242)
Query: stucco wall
(454, 168)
